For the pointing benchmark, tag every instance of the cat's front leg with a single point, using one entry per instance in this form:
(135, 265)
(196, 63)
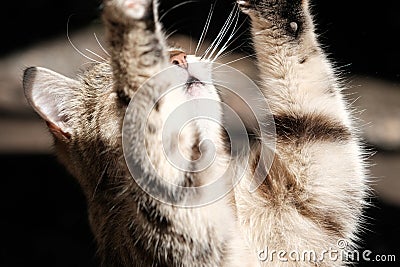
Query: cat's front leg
(313, 194)
(137, 45)
(295, 72)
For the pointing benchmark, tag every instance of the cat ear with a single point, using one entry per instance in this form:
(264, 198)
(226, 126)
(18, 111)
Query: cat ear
(51, 95)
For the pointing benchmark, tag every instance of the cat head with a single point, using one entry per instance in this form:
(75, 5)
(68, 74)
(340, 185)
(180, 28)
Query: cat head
(58, 99)
(85, 115)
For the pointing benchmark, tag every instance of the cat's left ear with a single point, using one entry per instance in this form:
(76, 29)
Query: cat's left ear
(52, 96)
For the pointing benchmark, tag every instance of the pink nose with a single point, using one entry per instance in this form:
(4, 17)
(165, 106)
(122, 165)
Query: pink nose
(179, 59)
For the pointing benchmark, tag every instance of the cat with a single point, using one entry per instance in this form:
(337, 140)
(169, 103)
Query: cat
(116, 114)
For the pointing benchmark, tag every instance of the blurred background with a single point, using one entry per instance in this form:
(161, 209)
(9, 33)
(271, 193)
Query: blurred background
(43, 220)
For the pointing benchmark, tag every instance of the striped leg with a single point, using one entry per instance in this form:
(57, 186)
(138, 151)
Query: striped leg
(314, 192)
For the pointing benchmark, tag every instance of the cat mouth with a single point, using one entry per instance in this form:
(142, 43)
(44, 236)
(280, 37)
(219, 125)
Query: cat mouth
(193, 81)
(194, 87)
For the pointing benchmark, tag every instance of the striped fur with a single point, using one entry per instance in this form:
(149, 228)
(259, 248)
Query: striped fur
(311, 196)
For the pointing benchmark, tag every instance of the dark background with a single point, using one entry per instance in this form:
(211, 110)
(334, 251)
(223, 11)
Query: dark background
(43, 216)
(360, 33)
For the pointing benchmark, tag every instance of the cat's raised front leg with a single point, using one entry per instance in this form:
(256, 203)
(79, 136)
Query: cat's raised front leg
(161, 150)
(313, 194)
(137, 45)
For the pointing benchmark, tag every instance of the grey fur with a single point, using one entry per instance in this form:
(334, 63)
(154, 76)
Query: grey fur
(297, 206)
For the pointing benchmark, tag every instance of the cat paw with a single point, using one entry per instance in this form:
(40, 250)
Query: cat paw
(245, 5)
(128, 9)
(288, 15)
(135, 9)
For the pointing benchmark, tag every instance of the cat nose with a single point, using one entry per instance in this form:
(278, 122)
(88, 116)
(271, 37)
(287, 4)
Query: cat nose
(179, 59)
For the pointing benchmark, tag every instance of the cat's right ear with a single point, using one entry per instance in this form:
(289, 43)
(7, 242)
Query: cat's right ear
(52, 96)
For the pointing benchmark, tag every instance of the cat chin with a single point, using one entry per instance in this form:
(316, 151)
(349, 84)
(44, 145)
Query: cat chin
(197, 90)
(201, 91)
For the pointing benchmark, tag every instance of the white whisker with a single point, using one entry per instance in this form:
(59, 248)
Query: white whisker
(222, 34)
(174, 25)
(205, 30)
(102, 48)
(76, 49)
(170, 34)
(224, 47)
(227, 53)
(93, 53)
(229, 42)
(219, 36)
(231, 50)
(174, 7)
(233, 61)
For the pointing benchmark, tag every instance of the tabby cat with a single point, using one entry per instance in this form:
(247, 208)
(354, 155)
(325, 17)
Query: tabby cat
(311, 196)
